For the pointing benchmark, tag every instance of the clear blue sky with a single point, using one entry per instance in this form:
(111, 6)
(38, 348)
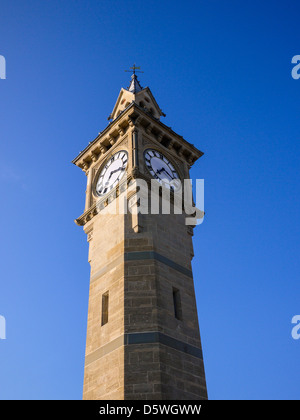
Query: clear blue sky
(221, 71)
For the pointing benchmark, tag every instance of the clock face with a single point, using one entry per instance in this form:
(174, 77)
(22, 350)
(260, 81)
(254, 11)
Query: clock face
(112, 173)
(161, 168)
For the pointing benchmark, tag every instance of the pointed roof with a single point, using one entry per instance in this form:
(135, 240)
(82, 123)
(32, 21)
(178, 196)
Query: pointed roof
(134, 86)
(141, 96)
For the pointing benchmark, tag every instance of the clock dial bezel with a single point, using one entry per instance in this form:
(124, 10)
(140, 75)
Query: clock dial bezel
(113, 182)
(168, 171)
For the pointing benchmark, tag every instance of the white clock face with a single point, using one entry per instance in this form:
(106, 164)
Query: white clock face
(161, 168)
(112, 173)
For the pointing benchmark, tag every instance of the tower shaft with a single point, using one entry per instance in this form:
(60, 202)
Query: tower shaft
(143, 339)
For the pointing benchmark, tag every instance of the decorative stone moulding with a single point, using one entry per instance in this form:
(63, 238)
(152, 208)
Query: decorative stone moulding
(94, 156)
(134, 116)
(86, 165)
(121, 130)
(87, 216)
(111, 140)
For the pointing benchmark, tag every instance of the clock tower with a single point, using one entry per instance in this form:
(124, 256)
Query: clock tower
(143, 340)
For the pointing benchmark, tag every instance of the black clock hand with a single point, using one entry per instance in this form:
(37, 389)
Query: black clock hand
(116, 170)
(107, 182)
(167, 173)
(163, 170)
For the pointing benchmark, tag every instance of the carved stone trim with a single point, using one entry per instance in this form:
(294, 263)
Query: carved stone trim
(90, 236)
(132, 117)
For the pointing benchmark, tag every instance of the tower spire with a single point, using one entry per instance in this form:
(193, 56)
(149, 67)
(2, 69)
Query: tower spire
(134, 86)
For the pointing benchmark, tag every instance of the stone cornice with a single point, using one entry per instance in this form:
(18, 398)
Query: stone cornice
(87, 216)
(104, 141)
(135, 116)
(167, 137)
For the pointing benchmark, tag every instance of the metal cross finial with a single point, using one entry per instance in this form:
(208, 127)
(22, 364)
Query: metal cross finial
(134, 69)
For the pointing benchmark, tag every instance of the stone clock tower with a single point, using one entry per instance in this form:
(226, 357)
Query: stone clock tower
(143, 339)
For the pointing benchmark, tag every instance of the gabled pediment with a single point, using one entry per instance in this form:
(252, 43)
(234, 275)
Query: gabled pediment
(125, 98)
(141, 96)
(146, 100)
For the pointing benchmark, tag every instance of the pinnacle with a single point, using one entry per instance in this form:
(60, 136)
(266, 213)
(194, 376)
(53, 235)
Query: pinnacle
(134, 86)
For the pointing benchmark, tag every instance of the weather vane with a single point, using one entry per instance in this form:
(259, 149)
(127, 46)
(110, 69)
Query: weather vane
(134, 69)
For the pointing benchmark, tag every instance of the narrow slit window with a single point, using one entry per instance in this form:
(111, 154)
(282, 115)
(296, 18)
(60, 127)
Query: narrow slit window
(104, 317)
(177, 304)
